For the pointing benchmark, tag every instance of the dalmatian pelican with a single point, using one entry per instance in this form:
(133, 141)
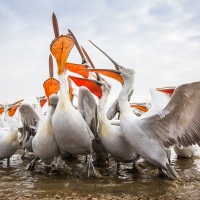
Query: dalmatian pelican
(9, 135)
(70, 129)
(110, 135)
(177, 123)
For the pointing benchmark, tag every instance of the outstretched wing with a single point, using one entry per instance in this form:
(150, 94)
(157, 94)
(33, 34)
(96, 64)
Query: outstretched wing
(29, 116)
(179, 122)
(88, 108)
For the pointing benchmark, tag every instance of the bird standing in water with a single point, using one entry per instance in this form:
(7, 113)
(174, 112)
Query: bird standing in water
(177, 123)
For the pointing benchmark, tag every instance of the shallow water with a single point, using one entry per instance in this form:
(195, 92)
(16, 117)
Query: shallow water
(17, 181)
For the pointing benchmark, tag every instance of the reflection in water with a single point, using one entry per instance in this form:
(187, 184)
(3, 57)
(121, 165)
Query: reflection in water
(17, 179)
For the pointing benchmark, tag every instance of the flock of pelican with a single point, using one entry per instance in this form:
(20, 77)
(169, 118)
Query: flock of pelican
(89, 129)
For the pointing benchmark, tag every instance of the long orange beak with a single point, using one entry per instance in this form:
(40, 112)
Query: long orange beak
(18, 101)
(60, 48)
(12, 110)
(140, 107)
(51, 86)
(167, 90)
(108, 72)
(93, 85)
(76, 69)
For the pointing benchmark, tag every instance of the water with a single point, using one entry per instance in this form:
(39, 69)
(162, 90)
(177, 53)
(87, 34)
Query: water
(17, 181)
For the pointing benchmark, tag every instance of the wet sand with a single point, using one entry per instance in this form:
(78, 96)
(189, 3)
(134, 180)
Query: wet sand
(19, 183)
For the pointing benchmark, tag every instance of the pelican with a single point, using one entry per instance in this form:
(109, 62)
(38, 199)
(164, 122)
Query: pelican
(181, 152)
(110, 135)
(88, 108)
(9, 136)
(44, 142)
(2, 120)
(30, 120)
(87, 105)
(51, 86)
(177, 123)
(70, 129)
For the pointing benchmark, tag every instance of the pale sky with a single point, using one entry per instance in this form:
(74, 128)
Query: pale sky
(159, 39)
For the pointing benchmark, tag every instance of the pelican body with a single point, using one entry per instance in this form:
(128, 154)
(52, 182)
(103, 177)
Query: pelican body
(111, 135)
(71, 131)
(44, 142)
(88, 108)
(177, 123)
(30, 120)
(9, 137)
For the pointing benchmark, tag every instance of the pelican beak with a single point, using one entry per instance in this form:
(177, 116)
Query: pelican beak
(93, 85)
(51, 86)
(166, 90)
(140, 107)
(60, 48)
(12, 110)
(1, 110)
(43, 101)
(70, 89)
(117, 67)
(108, 72)
(55, 25)
(17, 102)
(76, 69)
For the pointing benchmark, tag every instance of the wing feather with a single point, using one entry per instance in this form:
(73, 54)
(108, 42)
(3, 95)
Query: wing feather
(87, 106)
(29, 116)
(179, 122)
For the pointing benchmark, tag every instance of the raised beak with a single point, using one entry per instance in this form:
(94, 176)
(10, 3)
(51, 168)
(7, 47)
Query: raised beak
(70, 89)
(77, 46)
(140, 107)
(51, 86)
(12, 110)
(93, 85)
(50, 66)
(60, 48)
(17, 102)
(167, 90)
(108, 72)
(55, 25)
(76, 69)
(115, 64)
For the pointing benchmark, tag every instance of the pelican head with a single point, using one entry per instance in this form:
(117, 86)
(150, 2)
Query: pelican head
(53, 99)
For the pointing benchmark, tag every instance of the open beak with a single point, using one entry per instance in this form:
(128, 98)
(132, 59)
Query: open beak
(140, 107)
(115, 64)
(51, 86)
(167, 90)
(17, 102)
(93, 85)
(12, 110)
(77, 46)
(76, 69)
(60, 48)
(108, 72)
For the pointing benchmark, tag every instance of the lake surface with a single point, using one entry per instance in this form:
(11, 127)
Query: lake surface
(17, 181)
